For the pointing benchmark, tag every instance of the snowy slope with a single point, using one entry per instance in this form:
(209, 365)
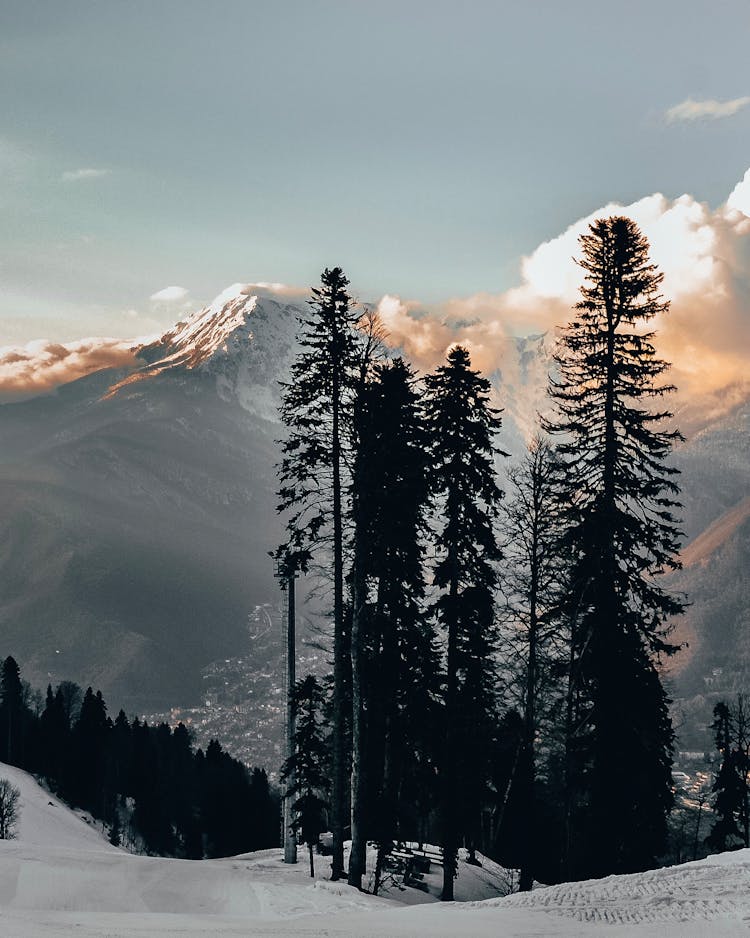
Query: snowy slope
(60, 878)
(45, 820)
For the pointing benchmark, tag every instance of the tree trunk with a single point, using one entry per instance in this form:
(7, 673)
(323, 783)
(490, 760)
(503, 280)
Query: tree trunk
(338, 793)
(290, 839)
(526, 878)
(357, 857)
(450, 835)
(312, 861)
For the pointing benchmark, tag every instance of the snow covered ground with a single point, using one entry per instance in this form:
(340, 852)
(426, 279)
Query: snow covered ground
(60, 877)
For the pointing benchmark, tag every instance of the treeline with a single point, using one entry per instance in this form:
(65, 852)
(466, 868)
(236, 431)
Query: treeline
(147, 784)
(495, 658)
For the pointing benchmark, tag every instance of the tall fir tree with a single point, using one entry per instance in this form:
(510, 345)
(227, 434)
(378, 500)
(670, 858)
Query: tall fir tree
(317, 409)
(462, 426)
(622, 533)
(13, 716)
(400, 673)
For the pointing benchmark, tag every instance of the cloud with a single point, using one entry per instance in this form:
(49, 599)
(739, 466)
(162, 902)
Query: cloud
(739, 198)
(76, 175)
(709, 109)
(705, 257)
(170, 295)
(41, 366)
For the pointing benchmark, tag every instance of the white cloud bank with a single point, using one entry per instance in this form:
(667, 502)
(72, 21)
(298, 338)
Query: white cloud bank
(708, 109)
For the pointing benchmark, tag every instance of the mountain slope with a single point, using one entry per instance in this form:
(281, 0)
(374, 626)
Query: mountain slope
(137, 510)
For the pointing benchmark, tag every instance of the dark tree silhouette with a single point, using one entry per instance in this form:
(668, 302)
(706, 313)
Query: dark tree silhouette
(308, 765)
(534, 639)
(10, 809)
(400, 681)
(317, 409)
(622, 533)
(461, 426)
(731, 787)
(12, 713)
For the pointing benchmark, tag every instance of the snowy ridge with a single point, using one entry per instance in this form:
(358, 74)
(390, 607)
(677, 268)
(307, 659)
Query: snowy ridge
(244, 340)
(209, 330)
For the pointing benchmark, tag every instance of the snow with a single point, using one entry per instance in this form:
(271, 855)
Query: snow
(61, 877)
(207, 331)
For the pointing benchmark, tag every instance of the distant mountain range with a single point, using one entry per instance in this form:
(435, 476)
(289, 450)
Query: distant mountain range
(137, 512)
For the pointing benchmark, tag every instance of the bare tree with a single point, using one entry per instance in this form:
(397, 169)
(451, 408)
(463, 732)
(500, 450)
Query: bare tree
(10, 810)
(534, 638)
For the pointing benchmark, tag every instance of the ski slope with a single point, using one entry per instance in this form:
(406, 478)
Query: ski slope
(60, 877)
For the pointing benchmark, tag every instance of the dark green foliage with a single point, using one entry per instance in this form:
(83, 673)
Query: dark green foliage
(309, 764)
(731, 787)
(401, 668)
(14, 717)
(84, 779)
(461, 426)
(146, 783)
(317, 410)
(621, 534)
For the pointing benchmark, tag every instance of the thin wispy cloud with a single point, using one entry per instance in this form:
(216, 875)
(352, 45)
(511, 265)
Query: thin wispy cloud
(77, 175)
(709, 109)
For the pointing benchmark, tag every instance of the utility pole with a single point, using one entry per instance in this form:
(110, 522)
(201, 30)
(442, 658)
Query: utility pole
(286, 574)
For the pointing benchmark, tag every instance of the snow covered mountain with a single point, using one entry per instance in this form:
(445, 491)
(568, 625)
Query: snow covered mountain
(137, 508)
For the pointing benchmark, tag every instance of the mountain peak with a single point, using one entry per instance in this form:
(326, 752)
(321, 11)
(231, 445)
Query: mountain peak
(196, 339)
(245, 340)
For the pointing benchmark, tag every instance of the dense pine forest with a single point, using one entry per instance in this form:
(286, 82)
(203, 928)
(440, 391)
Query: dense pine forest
(147, 785)
(497, 632)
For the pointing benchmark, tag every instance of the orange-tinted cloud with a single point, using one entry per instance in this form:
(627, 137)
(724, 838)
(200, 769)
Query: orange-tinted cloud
(41, 366)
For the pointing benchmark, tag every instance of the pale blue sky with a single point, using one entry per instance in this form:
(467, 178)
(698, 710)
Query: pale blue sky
(424, 146)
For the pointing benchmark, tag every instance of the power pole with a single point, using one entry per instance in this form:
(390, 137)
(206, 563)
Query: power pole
(286, 574)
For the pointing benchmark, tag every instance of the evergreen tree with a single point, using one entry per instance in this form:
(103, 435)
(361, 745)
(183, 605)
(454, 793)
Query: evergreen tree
(622, 534)
(308, 765)
(317, 409)
(400, 678)
(731, 787)
(12, 713)
(85, 777)
(53, 737)
(462, 426)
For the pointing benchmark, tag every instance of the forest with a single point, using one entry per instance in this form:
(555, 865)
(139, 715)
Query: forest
(498, 646)
(150, 789)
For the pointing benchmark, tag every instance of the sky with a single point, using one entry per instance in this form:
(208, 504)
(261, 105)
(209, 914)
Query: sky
(154, 151)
